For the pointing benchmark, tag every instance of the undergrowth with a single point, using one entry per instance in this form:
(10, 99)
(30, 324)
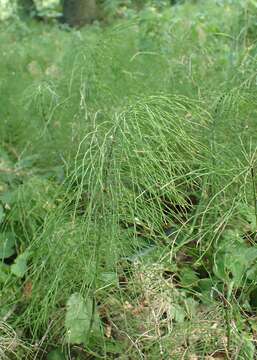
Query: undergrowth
(128, 186)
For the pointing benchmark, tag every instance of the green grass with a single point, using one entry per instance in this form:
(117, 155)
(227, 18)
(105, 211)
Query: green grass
(128, 186)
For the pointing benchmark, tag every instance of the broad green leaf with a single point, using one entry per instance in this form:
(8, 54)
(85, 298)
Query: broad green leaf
(205, 288)
(114, 347)
(56, 355)
(8, 197)
(27, 162)
(205, 284)
(178, 313)
(250, 255)
(1, 213)
(251, 274)
(234, 262)
(78, 319)
(4, 272)
(191, 306)
(19, 267)
(7, 245)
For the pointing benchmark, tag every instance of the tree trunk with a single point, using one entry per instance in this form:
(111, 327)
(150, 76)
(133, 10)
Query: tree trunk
(79, 12)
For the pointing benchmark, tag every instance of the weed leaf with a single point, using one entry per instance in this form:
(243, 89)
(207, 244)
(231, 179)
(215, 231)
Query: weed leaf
(55, 355)
(78, 318)
(19, 268)
(7, 245)
(1, 213)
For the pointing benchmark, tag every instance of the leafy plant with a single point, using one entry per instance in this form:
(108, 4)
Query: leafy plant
(127, 184)
(79, 319)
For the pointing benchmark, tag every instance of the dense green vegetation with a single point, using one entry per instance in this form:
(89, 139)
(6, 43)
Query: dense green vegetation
(128, 165)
